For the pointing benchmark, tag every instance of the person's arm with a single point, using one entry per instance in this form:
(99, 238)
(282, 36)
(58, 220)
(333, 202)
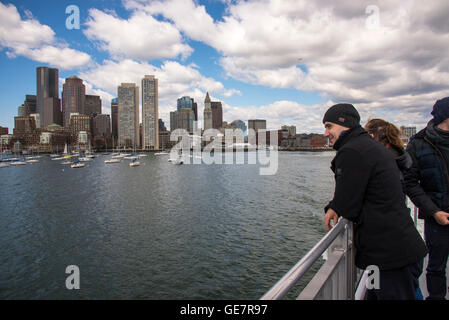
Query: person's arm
(352, 176)
(413, 188)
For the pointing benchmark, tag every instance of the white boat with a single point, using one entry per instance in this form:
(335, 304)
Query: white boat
(112, 161)
(54, 155)
(118, 156)
(77, 164)
(171, 160)
(134, 163)
(17, 163)
(141, 155)
(4, 165)
(130, 157)
(85, 159)
(32, 161)
(57, 158)
(160, 153)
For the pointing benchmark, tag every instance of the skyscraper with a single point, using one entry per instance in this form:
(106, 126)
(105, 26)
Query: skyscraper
(128, 115)
(217, 114)
(187, 102)
(52, 112)
(92, 105)
(207, 113)
(46, 87)
(73, 98)
(150, 113)
(114, 116)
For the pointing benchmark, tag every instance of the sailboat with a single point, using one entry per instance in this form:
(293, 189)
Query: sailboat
(134, 163)
(77, 164)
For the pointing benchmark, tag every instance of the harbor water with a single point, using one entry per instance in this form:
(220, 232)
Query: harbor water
(158, 230)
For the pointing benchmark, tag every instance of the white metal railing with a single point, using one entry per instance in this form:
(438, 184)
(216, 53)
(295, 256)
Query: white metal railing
(335, 279)
(338, 278)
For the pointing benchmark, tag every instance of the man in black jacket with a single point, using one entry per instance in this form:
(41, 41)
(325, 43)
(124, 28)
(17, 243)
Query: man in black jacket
(427, 184)
(368, 192)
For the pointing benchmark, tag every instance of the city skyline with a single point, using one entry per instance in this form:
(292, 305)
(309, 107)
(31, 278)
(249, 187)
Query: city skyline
(303, 58)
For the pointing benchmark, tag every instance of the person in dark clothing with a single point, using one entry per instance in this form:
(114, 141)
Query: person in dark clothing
(368, 192)
(390, 136)
(427, 184)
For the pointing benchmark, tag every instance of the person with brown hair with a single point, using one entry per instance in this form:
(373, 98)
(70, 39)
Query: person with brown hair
(390, 136)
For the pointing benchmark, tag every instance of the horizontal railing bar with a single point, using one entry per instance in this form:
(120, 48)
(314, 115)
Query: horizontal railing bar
(281, 288)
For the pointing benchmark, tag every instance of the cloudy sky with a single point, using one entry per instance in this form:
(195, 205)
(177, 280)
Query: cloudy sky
(281, 60)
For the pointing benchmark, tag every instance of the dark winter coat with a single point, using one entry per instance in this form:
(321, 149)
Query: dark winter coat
(427, 180)
(368, 192)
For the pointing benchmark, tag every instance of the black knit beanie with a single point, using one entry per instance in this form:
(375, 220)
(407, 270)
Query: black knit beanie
(343, 114)
(440, 111)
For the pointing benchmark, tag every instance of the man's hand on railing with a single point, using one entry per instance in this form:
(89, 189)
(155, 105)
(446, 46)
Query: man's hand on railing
(330, 215)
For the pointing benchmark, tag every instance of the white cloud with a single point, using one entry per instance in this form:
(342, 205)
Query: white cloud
(399, 64)
(35, 41)
(140, 37)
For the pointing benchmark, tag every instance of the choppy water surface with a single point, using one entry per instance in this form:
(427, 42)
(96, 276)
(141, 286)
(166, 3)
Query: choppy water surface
(158, 231)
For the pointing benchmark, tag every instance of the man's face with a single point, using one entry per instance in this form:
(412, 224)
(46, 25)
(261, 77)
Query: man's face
(333, 131)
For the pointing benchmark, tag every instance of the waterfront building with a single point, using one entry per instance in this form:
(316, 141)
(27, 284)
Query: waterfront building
(101, 125)
(25, 124)
(207, 114)
(150, 113)
(114, 118)
(3, 130)
(26, 133)
(290, 129)
(101, 130)
(5, 141)
(73, 98)
(47, 86)
(128, 115)
(318, 141)
(45, 138)
(92, 105)
(407, 133)
(59, 137)
(78, 123)
(164, 140)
